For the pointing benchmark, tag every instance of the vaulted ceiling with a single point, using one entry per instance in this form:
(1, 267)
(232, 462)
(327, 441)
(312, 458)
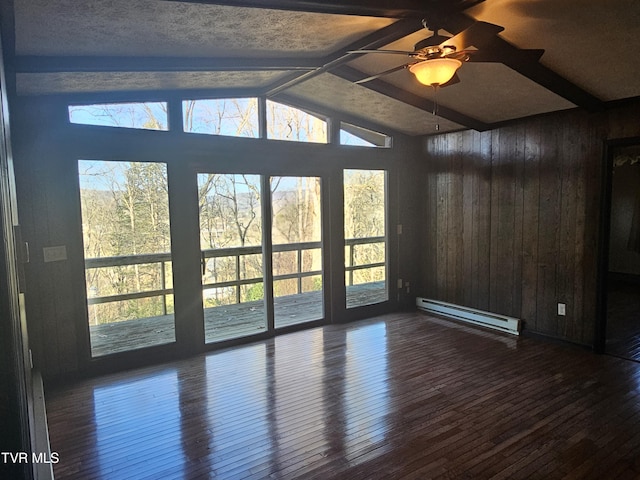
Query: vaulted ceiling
(552, 55)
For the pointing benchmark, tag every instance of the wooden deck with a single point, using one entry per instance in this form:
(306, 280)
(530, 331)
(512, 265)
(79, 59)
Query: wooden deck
(224, 322)
(402, 396)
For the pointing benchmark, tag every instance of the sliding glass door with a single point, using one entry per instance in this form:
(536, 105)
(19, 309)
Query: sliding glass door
(296, 236)
(233, 245)
(231, 255)
(261, 248)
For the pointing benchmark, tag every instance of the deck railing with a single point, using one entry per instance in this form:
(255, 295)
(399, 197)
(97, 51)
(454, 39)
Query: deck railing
(162, 259)
(350, 259)
(239, 252)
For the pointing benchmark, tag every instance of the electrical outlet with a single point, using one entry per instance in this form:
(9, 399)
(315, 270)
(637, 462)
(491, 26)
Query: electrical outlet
(562, 309)
(399, 283)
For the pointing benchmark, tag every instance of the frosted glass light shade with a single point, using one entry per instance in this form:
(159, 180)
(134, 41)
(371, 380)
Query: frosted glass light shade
(437, 71)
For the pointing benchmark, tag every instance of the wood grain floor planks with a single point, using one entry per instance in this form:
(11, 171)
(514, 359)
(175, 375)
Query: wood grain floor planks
(404, 396)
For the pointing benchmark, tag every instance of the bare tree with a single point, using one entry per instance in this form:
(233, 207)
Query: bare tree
(289, 123)
(126, 203)
(364, 217)
(231, 116)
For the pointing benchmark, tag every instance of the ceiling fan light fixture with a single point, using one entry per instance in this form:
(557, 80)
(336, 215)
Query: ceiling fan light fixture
(436, 71)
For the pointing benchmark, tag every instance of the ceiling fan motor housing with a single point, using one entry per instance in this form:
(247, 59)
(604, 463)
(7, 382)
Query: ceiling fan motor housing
(432, 41)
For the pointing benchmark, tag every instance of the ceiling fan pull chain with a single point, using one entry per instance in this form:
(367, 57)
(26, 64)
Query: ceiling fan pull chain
(435, 99)
(435, 103)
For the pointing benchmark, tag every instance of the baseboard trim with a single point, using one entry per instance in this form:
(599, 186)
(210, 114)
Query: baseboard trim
(43, 470)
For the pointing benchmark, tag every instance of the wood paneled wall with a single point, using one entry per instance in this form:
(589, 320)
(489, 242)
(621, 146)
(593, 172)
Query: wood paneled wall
(48, 207)
(511, 218)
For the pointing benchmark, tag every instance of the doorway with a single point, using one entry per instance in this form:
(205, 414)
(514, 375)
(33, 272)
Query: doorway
(297, 250)
(231, 255)
(621, 286)
(242, 294)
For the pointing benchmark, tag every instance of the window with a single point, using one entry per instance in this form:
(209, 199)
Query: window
(127, 254)
(362, 137)
(235, 117)
(288, 123)
(365, 234)
(147, 116)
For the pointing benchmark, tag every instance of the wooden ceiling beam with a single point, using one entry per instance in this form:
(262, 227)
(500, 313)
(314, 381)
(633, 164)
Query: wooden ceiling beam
(524, 61)
(551, 80)
(353, 75)
(122, 96)
(371, 8)
(45, 64)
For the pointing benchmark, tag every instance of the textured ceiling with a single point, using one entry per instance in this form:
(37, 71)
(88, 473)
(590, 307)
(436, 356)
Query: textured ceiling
(499, 94)
(593, 43)
(119, 46)
(330, 91)
(158, 28)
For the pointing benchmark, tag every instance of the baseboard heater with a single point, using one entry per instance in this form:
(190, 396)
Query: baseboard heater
(485, 319)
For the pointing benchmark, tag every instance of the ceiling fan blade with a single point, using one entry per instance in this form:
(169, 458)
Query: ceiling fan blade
(386, 72)
(393, 52)
(475, 36)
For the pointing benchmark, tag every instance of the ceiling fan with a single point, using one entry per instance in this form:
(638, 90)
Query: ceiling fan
(435, 60)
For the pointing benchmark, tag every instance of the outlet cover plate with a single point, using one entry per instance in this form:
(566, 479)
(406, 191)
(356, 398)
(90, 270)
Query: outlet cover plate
(55, 254)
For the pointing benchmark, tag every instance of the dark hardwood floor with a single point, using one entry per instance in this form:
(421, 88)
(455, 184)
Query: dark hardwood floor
(399, 396)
